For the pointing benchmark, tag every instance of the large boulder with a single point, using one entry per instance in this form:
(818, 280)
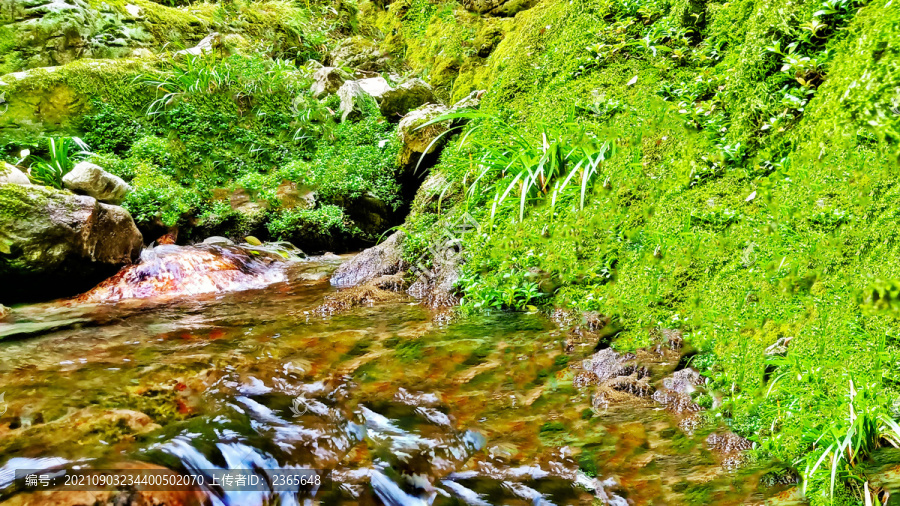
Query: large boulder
(435, 287)
(54, 243)
(327, 80)
(90, 179)
(407, 96)
(381, 260)
(11, 174)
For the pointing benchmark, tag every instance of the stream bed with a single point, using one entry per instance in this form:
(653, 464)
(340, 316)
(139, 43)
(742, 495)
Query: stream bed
(399, 404)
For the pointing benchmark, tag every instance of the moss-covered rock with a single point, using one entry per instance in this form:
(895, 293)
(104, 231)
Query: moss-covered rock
(55, 243)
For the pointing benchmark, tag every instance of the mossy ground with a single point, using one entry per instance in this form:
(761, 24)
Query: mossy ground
(741, 205)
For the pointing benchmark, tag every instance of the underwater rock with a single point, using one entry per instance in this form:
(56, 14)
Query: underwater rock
(90, 179)
(409, 95)
(11, 174)
(353, 297)
(383, 259)
(327, 80)
(53, 243)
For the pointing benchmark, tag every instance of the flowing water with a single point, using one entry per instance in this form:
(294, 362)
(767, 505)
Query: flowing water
(402, 405)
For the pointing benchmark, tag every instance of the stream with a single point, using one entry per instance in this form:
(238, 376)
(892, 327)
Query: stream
(399, 404)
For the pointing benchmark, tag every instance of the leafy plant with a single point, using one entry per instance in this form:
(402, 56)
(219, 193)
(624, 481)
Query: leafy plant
(63, 154)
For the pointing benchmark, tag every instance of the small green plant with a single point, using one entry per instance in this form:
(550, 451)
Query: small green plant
(63, 154)
(841, 445)
(529, 167)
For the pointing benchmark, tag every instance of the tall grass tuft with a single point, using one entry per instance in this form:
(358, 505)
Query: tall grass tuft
(63, 154)
(522, 167)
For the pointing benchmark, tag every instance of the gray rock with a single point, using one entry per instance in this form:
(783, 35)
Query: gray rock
(409, 95)
(424, 141)
(383, 259)
(327, 80)
(55, 243)
(11, 174)
(436, 288)
(355, 100)
(204, 46)
(470, 101)
(90, 179)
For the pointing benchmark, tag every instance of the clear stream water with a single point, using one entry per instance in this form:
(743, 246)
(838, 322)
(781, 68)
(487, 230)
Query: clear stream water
(402, 407)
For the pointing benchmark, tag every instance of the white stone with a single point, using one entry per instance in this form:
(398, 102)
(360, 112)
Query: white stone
(90, 179)
(11, 174)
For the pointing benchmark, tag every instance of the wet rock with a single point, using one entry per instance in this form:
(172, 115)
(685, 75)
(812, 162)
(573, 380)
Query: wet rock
(409, 95)
(383, 259)
(607, 364)
(498, 7)
(675, 392)
(54, 243)
(352, 297)
(328, 80)
(90, 179)
(173, 271)
(436, 288)
(727, 442)
(11, 174)
(618, 378)
(730, 447)
(392, 282)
